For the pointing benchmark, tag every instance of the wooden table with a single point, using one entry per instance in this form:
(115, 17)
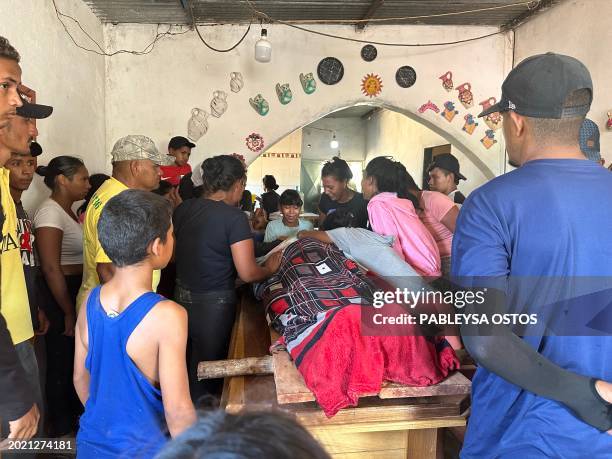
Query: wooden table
(407, 427)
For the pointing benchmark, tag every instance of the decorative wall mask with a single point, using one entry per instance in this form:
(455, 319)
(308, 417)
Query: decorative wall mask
(371, 85)
(609, 122)
(489, 139)
(255, 142)
(493, 120)
(260, 105)
(197, 125)
(236, 81)
(284, 93)
(470, 123)
(218, 105)
(309, 84)
(447, 81)
(465, 94)
(449, 111)
(429, 105)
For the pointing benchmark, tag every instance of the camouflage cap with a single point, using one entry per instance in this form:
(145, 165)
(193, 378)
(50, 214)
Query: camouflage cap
(135, 147)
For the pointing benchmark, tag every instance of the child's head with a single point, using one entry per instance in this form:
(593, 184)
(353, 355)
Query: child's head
(341, 218)
(136, 226)
(163, 189)
(180, 148)
(290, 205)
(219, 434)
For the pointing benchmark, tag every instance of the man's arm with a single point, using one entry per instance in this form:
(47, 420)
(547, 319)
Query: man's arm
(16, 400)
(81, 375)
(479, 250)
(105, 271)
(172, 331)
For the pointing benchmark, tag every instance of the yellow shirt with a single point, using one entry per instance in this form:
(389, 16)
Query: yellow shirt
(15, 306)
(93, 253)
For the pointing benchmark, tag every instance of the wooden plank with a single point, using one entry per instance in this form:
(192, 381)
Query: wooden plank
(424, 444)
(214, 369)
(455, 384)
(361, 442)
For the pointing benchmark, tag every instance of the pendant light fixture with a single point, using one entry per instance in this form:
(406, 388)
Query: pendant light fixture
(263, 48)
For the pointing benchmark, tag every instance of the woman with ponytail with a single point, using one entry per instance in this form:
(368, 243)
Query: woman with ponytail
(59, 240)
(214, 244)
(392, 211)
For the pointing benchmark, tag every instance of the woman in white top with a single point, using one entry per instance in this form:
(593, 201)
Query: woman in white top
(59, 240)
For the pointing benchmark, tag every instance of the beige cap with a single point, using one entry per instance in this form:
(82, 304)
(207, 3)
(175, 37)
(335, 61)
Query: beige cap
(135, 147)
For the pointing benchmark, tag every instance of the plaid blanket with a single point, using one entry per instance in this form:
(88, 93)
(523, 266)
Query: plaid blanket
(315, 301)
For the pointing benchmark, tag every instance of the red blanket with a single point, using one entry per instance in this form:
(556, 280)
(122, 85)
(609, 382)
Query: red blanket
(315, 302)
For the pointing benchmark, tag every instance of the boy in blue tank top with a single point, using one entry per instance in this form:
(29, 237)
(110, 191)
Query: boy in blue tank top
(130, 369)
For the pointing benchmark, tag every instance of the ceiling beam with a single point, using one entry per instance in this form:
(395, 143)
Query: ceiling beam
(370, 13)
(523, 17)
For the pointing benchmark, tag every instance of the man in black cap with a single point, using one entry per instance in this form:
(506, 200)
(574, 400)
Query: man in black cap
(444, 177)
(544, 391)
(180, 148)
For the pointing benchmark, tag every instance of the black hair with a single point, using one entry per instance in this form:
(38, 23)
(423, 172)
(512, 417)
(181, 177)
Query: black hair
(269, 182)
(130, 222)
(337, 168)
(221, 172)
(96, 181)
(341, 218)
(7, 51)
(60, 165)
(393, 177)
(290, 198)
(247, 435)
(164, 188)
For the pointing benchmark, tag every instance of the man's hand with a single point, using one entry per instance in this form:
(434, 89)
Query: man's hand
(26, 426)
(605, 391)
(273, 263)
(69, 324)
(43, 323)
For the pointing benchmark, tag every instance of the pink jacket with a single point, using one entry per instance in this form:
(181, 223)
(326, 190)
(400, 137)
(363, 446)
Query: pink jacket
(393, 216)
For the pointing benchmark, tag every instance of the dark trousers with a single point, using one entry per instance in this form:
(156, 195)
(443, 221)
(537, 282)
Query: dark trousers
(64, 406)
(211, 318)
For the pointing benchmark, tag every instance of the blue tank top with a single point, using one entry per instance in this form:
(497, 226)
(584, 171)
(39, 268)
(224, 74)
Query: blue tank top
(124, 414)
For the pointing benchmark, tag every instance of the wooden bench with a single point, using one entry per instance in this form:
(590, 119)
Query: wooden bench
(400, 421)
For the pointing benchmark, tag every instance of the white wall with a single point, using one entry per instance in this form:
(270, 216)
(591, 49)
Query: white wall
(350, 134)
(154, 94)
(579, 28)
(69, 79)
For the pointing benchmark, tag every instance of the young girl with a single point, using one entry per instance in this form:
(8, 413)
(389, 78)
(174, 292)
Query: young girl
(335, 177)
(392, 212)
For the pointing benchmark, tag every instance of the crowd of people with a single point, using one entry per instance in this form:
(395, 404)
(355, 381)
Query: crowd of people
(88, 348)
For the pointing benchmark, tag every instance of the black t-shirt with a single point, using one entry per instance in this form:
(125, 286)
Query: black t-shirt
(270, 201)
(357, 206)
(205, 230)
(29, 259)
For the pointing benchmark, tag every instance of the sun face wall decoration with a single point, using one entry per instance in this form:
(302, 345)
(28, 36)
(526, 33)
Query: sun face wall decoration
(371, 85)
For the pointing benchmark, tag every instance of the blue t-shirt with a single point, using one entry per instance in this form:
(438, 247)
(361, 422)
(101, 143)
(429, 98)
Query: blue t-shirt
(548, 219)
(276, 229)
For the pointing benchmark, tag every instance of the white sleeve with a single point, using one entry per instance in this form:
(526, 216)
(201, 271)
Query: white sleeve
(48, 217)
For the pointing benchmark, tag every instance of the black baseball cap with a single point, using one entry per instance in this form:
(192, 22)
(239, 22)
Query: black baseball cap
(180, 142)
(447, 162)
(35, 111)
(539, 86)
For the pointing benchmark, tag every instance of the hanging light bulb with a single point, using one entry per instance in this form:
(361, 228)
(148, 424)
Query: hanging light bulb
(334, 143)
(263, 48)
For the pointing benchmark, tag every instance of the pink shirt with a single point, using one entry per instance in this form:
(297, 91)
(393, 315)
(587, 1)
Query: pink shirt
(393, 216)
(434, 206)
